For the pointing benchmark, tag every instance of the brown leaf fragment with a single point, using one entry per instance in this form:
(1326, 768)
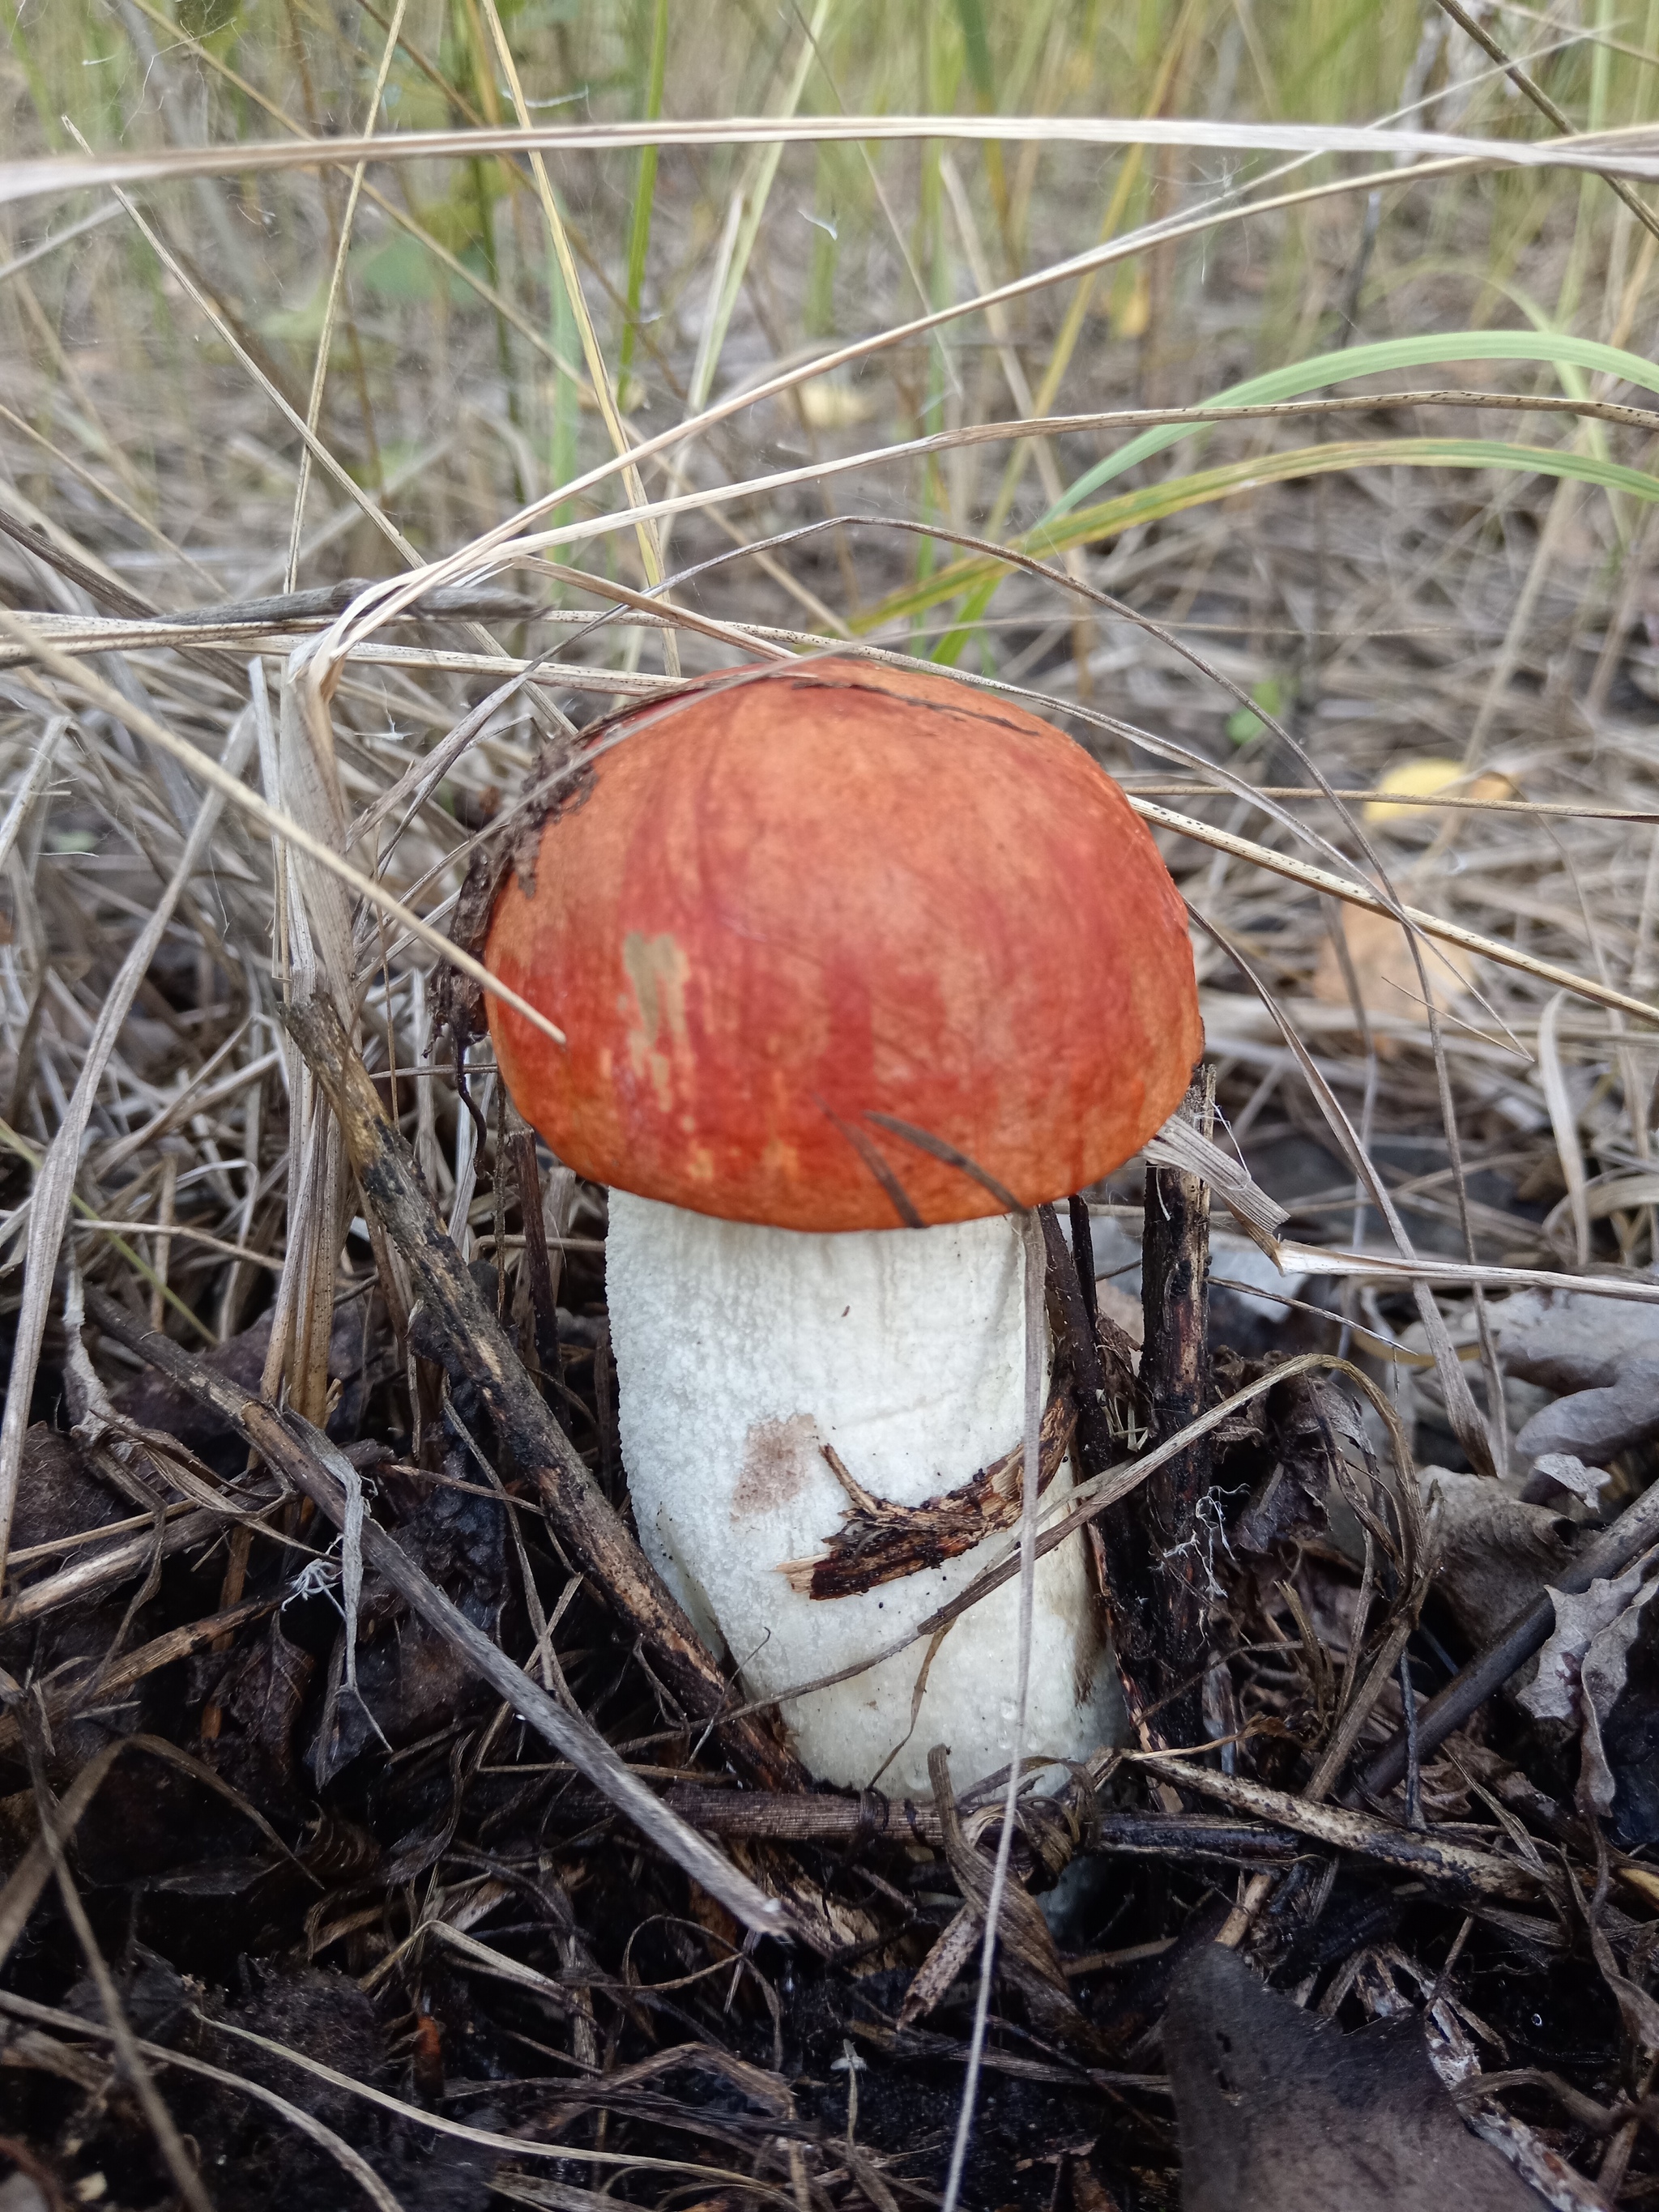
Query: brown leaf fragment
(1280, 2114)
(1494, 1550)
(260, 1704)
(1386, 974)
(1594, 1425)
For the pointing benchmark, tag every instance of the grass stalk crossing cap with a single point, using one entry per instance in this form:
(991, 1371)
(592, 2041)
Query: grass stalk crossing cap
(844, 946)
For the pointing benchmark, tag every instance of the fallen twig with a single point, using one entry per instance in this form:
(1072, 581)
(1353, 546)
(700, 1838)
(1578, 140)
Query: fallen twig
(1430, 1857)
(300, 1453)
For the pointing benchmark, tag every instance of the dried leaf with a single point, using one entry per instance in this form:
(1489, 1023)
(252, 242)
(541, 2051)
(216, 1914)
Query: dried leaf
(1570, 1339)
(1279, 2114)
(1595, 1424)
(1386, 973)
(1495, 1551)
(1582, 1669)
(1425, 776)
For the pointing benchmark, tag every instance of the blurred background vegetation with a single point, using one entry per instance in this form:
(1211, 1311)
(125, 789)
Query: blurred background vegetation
(1422, 589)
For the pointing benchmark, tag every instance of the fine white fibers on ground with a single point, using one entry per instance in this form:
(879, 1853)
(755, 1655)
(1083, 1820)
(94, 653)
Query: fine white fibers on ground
(740, 1352)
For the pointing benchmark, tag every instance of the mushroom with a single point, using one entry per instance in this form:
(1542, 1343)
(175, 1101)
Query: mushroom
(850, 958)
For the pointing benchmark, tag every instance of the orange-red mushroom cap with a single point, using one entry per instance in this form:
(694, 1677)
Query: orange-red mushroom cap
(795, 907)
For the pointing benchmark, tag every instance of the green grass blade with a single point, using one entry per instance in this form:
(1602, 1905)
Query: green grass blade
(1572, 356)
(979, 574)
(757, 192)
(1554, 347)
(977, 47)
(645, 193)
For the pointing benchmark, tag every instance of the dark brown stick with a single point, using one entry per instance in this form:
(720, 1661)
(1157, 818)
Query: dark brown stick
(583, 1521)
(543, 1305)
(827, 1819)
(1083, 1249)
(1174, 1383)
(1097, 1447)
(1455, 1870)
(1122, 1563)
(292, 1448)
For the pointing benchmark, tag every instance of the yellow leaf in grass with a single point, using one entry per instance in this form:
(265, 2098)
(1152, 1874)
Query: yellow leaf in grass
(1386, 973)
(1426, 777)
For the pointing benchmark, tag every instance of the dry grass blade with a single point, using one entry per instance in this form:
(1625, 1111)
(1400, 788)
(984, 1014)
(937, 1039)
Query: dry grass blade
(29, 785)
(1564, 1122)
(313, 406)
(54, 1184)
(1609, 153)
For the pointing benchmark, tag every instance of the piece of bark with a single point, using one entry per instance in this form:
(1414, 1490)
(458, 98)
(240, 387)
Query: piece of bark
(478, 1351)
(880, 1542)
(1280, 2114)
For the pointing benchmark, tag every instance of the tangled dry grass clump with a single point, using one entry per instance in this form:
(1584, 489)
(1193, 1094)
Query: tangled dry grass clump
(371, 1826)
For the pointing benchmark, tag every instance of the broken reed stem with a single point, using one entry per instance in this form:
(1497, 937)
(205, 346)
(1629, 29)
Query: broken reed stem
(826, 1817)
(477, 1349)
(1147, 1551)
(1266, 1829)
(1175, 1385)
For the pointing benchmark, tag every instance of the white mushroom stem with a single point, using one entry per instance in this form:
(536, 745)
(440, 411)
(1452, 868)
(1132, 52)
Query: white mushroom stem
(741, 1352)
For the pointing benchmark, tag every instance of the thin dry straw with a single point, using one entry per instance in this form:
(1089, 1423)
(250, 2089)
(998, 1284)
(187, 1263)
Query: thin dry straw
(326, 337)
(54, 1182)
(384, 601)
(1036, 1340)
(1608, 153)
